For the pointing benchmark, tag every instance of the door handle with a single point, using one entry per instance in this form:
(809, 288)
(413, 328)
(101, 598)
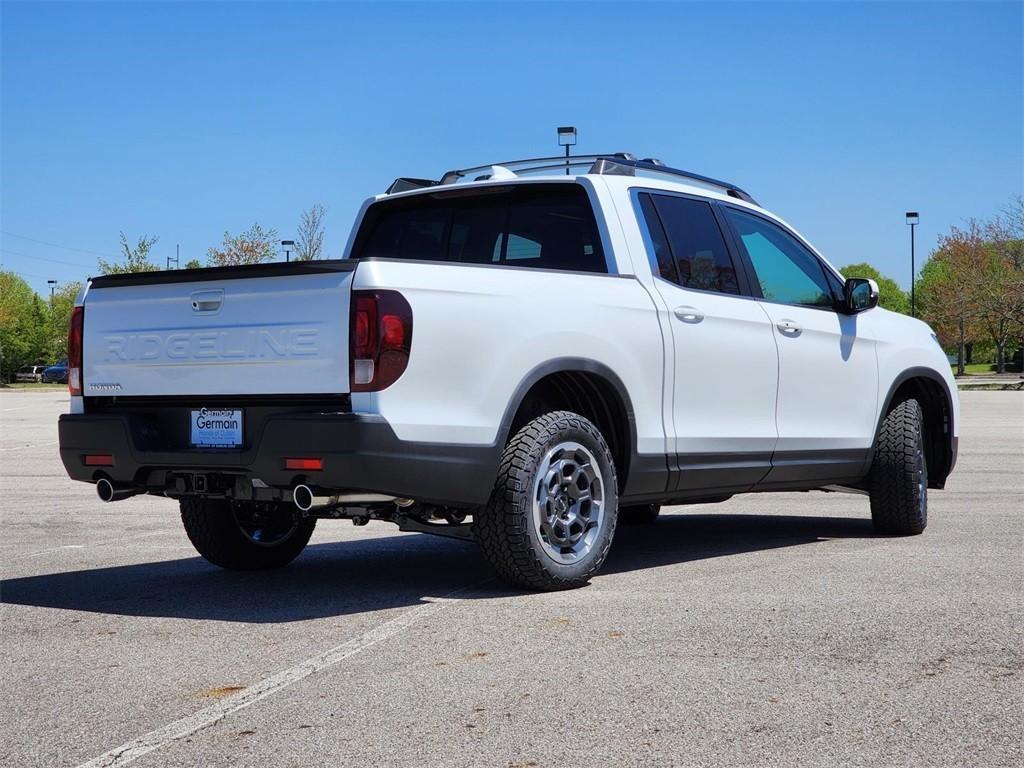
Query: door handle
(207, 301)
(788, 327)
(688, 314)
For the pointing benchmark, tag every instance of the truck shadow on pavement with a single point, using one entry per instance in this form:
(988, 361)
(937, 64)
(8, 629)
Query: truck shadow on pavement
(335, 579)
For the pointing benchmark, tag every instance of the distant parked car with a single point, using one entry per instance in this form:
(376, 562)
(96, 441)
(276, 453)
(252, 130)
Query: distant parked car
(33, 373)
(56, 373)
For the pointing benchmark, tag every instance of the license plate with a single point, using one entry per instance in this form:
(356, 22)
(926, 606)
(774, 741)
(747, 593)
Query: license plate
(216, 428)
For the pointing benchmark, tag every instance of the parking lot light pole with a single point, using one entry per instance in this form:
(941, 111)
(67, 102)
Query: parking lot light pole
(53, 285)
(566, 138)
(912, 219)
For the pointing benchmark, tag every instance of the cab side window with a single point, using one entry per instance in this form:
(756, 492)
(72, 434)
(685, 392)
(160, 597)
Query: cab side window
(661, 260)
(787, 272)
(689, 248)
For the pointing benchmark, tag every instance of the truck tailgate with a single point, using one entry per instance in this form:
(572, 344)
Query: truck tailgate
(269, 329)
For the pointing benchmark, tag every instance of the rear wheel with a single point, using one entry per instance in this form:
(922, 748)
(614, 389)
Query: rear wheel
(898, 481)
(552, 514)
(246, 536)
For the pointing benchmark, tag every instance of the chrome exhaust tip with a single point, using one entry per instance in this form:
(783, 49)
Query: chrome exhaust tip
(307, 501)
(108, 492)
(302, 496)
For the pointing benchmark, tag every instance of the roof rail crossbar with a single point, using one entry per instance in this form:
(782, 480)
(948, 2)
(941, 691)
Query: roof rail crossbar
(557, 161)
(615, 166)
(730, 189)
(573, 163)
(615, 163)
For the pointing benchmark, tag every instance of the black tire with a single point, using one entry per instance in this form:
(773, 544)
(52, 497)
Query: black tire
(898, 481)
(639, 514)
(506, 529)
(223, 532)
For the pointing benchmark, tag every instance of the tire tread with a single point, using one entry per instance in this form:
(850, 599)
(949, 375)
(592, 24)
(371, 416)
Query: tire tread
(211, 528)
(501, 526)
(895, 501)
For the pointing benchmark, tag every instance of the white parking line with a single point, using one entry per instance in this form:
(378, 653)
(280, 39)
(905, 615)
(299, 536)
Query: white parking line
(204, 718)
(122, 542)
(35, 444)
(55, 549)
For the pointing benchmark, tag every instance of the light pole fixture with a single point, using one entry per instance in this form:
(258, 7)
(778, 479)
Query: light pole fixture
(912, 220)
(176, 259)
(287, 245)
(566, 138)
(53, 285)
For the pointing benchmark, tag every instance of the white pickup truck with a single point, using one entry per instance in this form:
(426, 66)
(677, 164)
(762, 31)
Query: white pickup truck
(521, 354)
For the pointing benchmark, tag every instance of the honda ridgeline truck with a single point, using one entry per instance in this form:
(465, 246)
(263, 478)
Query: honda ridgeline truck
(523, 355)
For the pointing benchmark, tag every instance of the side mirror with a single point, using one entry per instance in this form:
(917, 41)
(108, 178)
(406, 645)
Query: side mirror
(859, 294)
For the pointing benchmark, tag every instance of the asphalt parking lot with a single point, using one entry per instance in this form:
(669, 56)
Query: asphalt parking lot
(769, 630)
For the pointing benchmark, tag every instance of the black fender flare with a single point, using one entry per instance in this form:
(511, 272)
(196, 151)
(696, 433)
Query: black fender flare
(917, 372)
(568, 365)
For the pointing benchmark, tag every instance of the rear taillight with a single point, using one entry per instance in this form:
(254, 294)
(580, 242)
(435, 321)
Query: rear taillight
(380, 338)
(75, 351)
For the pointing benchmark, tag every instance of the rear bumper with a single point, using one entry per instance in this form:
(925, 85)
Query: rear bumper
(360, 452)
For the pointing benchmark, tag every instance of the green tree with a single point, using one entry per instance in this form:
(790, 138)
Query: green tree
(972, 288)
(193, 264)
(890, 295)
(58, 318)
(948, 288)
(136, 258)
(251, 247)
(1001, 282)
(22, 325)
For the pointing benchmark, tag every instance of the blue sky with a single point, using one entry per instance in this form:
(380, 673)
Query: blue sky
(183, 120)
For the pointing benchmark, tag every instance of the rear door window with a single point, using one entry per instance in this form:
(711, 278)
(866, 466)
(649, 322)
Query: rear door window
(662, 263)
(687, 229)
(547, 226)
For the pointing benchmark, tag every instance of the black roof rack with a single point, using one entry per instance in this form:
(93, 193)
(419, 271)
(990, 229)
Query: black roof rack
(615, 163)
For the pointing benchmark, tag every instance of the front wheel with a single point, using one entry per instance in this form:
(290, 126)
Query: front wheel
(552, 514)
(246, 536)
(898, 481)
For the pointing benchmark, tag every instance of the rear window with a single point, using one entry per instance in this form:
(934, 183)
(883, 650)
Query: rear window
(547, 226)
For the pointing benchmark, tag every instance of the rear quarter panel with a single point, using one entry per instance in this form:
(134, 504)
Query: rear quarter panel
(479, 331)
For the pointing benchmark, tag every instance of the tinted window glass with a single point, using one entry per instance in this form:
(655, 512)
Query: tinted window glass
(661, 260)
(476, 232)
(550, 226)
(519, 247)
(701, 258)
(787, 272)
(834, 283)
(413, 234)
